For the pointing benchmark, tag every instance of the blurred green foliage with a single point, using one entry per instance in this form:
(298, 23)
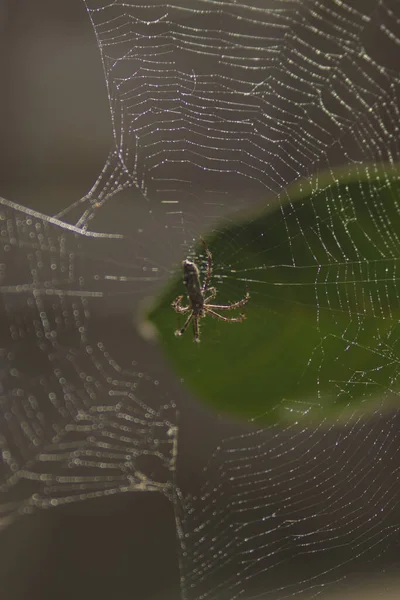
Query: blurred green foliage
(322, 333)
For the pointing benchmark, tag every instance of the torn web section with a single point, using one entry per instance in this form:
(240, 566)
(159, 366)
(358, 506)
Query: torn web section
(213, 106)
(78, 418)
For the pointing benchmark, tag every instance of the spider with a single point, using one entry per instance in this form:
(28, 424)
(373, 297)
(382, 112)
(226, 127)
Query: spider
(199, 305)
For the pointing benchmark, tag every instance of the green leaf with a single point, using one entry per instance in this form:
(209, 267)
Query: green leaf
(322, 331)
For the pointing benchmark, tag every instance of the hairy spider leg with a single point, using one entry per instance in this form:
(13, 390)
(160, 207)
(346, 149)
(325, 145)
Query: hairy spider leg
(227, 319)
(187, 322)
(176, 305)
(213, 292)
(196, 329)
(229, 306)
(238, 304)
(209, 267)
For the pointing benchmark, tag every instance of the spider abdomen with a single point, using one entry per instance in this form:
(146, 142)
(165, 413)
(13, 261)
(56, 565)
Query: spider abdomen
(191, 279)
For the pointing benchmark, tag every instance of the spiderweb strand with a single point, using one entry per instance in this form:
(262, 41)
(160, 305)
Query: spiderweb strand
(75, 423)
(213, 105)
(278, 94)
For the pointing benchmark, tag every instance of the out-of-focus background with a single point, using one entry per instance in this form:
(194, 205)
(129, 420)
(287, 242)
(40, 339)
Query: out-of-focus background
(56, 130)
(55, 135)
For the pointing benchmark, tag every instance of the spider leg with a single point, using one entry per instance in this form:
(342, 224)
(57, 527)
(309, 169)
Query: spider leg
(213, 292)
(227, 319)
(179, 332)
(176, 305)
(238, 304)
(196, 329)
(209, 267)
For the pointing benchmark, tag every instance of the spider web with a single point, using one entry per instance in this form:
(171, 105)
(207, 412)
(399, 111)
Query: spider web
(214, 106)
(76, 424)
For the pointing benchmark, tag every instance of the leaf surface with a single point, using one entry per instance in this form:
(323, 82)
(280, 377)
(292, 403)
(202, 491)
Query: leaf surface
(322, 334)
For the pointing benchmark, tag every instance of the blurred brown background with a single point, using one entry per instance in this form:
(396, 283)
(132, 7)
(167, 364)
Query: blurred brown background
(55, 135)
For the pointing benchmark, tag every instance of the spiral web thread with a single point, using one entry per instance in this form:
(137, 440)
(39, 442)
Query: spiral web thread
(214, 105)
(75, 422)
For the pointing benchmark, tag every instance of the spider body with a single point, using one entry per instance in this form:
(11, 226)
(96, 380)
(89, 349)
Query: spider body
(191, 279)
(199, 302)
